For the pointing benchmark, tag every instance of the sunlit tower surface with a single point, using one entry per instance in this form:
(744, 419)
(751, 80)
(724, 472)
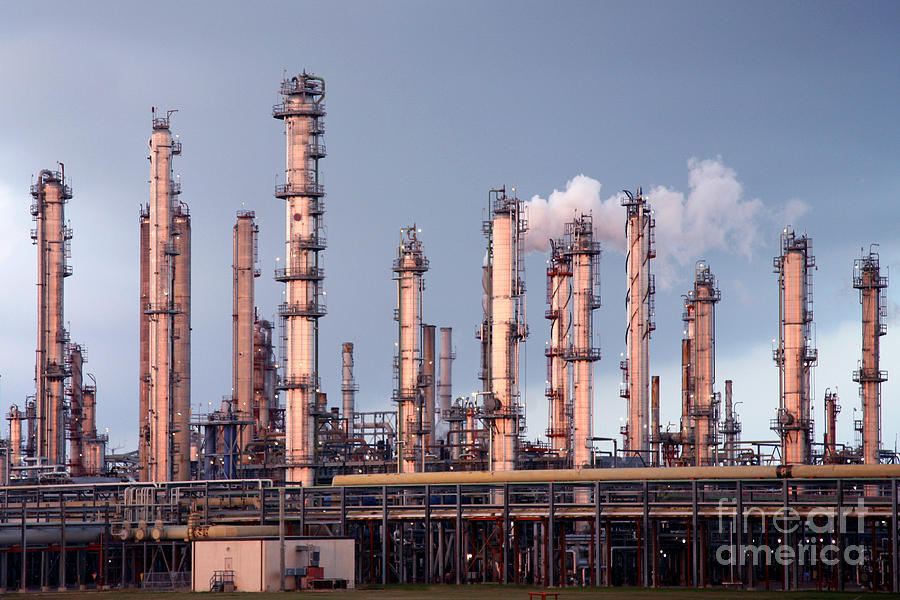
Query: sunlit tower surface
(409, 268)
(558, 390)
(639, 309)
(165, 351)
(507, 326)
(52, 237)
(795, 354)
(244, 272)
(302, 109)
(584, 253)
(867, 278)
(700, 324)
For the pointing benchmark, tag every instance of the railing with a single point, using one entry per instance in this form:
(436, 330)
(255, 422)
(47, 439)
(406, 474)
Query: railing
(572, 354)
(166, 580)
(304, 382)
(297, 309)
(306, 188)
(152, 308)
(282, 109)
(302, 273)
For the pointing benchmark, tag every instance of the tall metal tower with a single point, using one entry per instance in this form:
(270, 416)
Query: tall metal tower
(52, 238)
(166, 347)
(507, 326)
(867, 278)
(639, 308)
(700, 324)
(558, 391)
(244, 272)
(795, 354)
(584, 255)
(409, 268)
(303, 110)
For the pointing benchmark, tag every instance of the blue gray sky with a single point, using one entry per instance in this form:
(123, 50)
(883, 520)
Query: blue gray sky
(757, 113)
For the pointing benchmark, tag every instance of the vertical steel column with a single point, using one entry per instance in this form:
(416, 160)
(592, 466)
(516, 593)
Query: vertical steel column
(384, 536)
(551, 580)
(599, 547)
(739, 525)
(645, 558)
(895, 564)
(840, 535)
(787, 536)
(429, 546)
(458, 536)
(23, 567)
(62, 543)
(505, 533)
(695, 581)
(281, 538)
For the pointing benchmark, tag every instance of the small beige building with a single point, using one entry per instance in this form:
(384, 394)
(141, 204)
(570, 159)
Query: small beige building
(254, 565)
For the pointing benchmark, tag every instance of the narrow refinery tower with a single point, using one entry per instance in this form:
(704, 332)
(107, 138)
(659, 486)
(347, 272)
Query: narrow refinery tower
(639, 310)
(428, 382)
(409, 268)
(832, 408)
(166, 347)
(244, 271)
(264, 374)
(15, 419)
(52, 238)
(302, 109)
(507, 326)
(584, 256)
(700, 324)
(871, 284)
(349, 387)
(731, 426)
(445, 387)
(795, 355)
(74, 423)
(558, 392)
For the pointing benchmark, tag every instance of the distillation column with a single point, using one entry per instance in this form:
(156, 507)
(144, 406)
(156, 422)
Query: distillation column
(302, 109)
(871, 284)
(181, 341)
(409, 268)
(584, 255)
(15, 435)
(349, 386)
(144, 367)
(558, 392)
(795, 355)
(445, 387)
(52, 238)
(264, 373)
(428, 380)
(507, 326)
(731, 426)
(167, 452)
(244, 271)
(700, 322)
(832, 408)
(639, 249)
(75, 425)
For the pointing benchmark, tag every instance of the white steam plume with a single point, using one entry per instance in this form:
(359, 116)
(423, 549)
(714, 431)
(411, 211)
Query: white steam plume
(714, 215)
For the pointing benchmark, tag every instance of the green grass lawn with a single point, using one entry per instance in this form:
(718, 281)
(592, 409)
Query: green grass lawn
(469, 592)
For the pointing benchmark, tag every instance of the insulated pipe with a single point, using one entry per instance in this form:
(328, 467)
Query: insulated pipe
(348, 386)
(445, 387)
(39, 536)
(213, 532)
(624, 474)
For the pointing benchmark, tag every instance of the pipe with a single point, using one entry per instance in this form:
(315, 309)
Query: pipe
(624, 474)
(210, 532)
(75, 534)
(654, 419)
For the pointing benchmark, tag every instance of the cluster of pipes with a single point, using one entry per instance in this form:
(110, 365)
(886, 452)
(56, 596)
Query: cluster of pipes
(483, 431)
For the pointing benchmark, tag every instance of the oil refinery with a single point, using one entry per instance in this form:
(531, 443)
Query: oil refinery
(440, 484)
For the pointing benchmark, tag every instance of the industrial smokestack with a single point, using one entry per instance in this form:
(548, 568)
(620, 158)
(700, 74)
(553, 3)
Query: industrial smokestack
(871, 284)
(558, 392)
(584, 254)
(409, 266)
(348, 386)
(445, 387)
(302, 110)
(795, 355)
(700, 322)
(507, 325)
(52, 238)
(639, 249)
(168, 313)
(244, 272)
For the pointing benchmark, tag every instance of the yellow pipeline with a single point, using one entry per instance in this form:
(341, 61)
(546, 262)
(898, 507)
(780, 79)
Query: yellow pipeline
(623, 474)
(213, 532)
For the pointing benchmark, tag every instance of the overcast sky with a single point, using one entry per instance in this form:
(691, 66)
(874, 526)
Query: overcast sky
(751, 113)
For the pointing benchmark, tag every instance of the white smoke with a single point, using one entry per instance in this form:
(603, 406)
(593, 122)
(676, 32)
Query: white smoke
(713, 215)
